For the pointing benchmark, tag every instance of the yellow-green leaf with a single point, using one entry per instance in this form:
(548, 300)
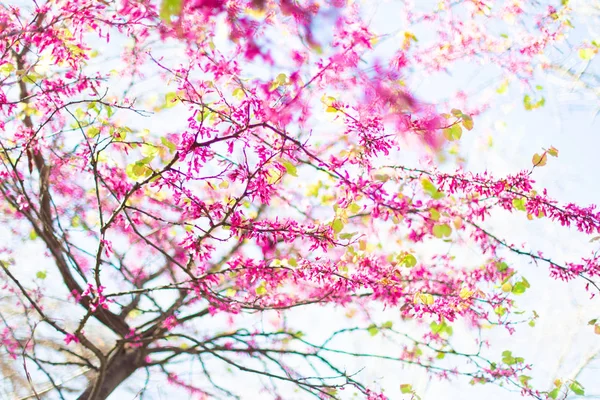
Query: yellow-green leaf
(577, 388)
(290, 168)
(171, 99)
(148, 150)
(503, 87)
(170, 8)
(238, 93)
(170, 145)
(409, 261)
(519, 204)
(467, 122)
(552, 151)
(261, 289)
(443, 230)
(587, 53)
(453, 133)
(337, 225)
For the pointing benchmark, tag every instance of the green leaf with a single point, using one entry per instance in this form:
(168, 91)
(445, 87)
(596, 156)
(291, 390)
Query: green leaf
(92, 132)
(586, 54)
(337, 225)
(348, 236)
(354, 208)
(148, 151)
(519, 204)
(500, 311)
(529, 105)
(109, 111)
(426, 299)
(145, 160)
(290, 168)
(519, 288)
(387, 325)
(501, 266)
(280, 80)
(453, 133)
(524, 379)
(76, 221)
(554, 393)
(373, 330)
(7, 68)
(508, 358)
(170, 145)
(261, 289)
(577, 388)
(443, 230)
(439, 328)
(170, 8)
(409, 261)
(238, 93)
(504, 87)
(40, 275)
(430, 189)
(428, 186)
(406, 388)
(80, 114)
(171, 99)
(129, 171)
(467, 122)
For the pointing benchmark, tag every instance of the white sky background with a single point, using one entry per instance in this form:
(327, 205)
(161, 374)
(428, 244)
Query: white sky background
(561, 340)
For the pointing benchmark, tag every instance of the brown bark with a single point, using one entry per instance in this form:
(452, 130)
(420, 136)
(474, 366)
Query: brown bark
(120, 367)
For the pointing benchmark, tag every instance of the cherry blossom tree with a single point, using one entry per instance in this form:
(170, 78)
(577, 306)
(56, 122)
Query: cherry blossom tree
(191, 168)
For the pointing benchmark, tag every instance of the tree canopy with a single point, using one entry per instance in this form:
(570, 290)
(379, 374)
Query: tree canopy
(193, 181)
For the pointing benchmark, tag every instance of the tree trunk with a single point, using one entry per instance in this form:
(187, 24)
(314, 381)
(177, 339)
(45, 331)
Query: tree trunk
(120, 367)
